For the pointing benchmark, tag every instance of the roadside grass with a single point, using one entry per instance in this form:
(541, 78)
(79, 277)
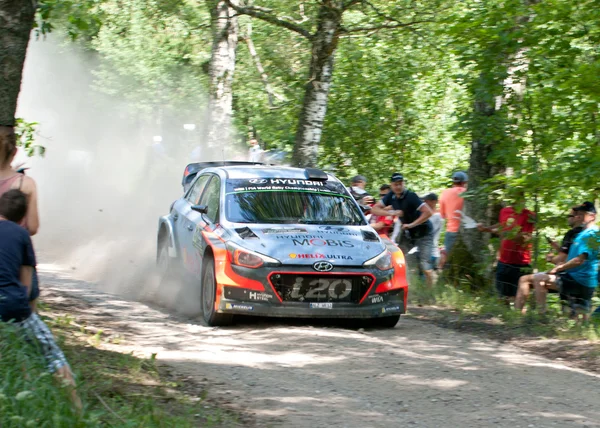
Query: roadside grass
(484, 312)
(117, 389)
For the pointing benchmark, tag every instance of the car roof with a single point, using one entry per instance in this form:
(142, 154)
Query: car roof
(259, 171)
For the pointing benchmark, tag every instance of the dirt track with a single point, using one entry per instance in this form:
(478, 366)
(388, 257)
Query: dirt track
(301, 375)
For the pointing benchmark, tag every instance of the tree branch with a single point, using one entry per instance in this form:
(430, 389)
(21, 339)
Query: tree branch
(383, 26)
(261, 70)
(269, 17)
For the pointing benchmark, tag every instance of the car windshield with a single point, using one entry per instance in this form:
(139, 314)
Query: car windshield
(296, 205)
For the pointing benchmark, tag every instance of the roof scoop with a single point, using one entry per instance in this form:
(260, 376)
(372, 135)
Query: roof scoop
(315, 174)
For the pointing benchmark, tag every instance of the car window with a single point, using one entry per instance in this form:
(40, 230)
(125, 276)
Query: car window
(210, 198)
(196, 191)
(291, 207)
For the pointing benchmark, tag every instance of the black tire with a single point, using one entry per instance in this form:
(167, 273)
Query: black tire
(386, 322)
(209, 289)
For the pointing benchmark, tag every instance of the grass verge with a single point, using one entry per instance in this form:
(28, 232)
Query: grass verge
(484, 313)
(117, 389)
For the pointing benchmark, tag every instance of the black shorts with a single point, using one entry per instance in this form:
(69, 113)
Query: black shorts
(575, 292)
(507, 278)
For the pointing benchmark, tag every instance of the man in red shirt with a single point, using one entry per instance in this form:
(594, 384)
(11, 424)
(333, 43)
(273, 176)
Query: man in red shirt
(380, 223)
(515, 226)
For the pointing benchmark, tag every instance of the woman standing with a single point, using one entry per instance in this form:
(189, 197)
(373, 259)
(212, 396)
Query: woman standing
(10, 179)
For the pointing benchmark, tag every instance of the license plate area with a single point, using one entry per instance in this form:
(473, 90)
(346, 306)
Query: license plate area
(311, 288)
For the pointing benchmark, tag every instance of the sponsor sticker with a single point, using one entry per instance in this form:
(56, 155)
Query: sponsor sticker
(323, 305)
(284, 231)
(378, 298)
(321, 256)
(320, 242)
(263, 297)
(286, 184)
(239, 307)
(390, 309)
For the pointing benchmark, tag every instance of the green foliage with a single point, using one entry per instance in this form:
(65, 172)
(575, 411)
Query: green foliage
(517, 76)
(25, 132)
(116, 389)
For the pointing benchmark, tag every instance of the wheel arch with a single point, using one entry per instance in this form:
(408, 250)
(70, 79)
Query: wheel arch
(165, 233)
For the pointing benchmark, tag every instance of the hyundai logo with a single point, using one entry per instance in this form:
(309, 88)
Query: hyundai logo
(337, 229)
(258, 180)
(322, 266)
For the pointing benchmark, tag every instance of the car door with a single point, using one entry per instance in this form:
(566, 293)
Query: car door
(184, 223)
(211, 199)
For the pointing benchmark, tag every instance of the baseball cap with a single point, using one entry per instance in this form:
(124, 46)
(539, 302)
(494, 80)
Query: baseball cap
(397, 177)
(430, 197)
(359, 178)
(460, 177)
(586, 207)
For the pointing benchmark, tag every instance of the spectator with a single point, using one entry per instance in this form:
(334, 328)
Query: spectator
(414, 214)
(515, 226)
(358, 192)
(578, 277)
(382, 224)
(450, 202)
(437, 223)
(255, 153)
(17, 261)
(10, 179)
(526, 282)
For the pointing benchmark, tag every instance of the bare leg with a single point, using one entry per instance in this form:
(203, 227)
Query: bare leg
(429, 277)
(65, 376)
(542, 283)
(525, 284)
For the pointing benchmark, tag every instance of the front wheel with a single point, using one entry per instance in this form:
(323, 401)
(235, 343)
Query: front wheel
(209, 288)
(386, 322)
(164, 264)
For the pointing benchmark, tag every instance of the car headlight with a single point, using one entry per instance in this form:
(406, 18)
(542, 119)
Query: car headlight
(382, 262)
(240, 256)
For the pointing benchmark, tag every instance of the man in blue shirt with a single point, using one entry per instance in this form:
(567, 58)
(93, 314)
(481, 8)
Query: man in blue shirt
(577, 278)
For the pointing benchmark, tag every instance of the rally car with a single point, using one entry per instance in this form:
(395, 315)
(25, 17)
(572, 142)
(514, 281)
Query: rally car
(281, 242)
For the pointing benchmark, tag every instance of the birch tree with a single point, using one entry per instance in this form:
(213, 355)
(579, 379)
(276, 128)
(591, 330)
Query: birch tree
(323, 33)
(225, 30)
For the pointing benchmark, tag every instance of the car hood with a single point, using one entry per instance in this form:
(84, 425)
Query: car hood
(306, 244)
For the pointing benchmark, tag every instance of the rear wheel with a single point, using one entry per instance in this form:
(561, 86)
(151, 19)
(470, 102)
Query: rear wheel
(209, 288)
(386, 322)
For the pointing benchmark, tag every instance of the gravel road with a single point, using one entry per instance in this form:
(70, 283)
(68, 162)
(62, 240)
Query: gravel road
(295, 374)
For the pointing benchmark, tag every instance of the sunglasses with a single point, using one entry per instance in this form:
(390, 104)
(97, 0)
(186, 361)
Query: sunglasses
(383, 194)
(570, 215)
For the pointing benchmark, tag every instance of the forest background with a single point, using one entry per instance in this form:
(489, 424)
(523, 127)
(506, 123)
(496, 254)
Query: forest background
(506, 90)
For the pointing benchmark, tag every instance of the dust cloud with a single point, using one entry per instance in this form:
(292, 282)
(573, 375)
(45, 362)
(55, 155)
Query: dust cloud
(100, 191)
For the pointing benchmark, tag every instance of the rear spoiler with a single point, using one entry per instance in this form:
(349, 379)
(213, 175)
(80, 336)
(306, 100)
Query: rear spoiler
(192, 169)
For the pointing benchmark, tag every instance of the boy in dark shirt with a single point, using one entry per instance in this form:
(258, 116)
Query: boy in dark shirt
(17, 260)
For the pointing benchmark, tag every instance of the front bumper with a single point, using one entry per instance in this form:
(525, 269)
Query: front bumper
(244, 302)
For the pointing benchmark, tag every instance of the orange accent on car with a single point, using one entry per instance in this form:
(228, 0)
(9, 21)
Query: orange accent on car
(224, 273)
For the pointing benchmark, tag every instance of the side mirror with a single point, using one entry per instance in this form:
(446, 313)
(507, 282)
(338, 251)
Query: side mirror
(364, 208)
(202, 209)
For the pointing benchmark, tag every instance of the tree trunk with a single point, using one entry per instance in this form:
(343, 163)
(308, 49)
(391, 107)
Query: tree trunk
(221, 70)
(314, 106)
(16, 22)
(480, 169)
